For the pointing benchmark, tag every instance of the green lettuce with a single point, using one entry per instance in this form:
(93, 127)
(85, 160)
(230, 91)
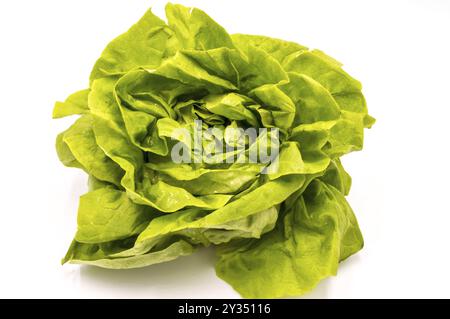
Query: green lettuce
(277, 232)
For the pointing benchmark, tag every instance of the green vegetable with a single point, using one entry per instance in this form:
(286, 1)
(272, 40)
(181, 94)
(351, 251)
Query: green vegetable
(279, 229)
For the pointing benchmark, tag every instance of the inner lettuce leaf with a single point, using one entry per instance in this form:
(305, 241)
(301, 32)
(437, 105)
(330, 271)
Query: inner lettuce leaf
(278, 227)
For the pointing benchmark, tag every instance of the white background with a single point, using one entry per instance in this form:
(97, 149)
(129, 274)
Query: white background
(399, 50)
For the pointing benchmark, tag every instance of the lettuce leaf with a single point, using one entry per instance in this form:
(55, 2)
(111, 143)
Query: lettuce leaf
(309, 241)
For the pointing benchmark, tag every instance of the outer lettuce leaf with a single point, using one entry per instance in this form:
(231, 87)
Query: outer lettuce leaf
(309, 241)
(100, 255)
(279, 49)
(76, 103)
(145, 44)
(195, 29)
(107, 214)
(77, 147)
(337, 176)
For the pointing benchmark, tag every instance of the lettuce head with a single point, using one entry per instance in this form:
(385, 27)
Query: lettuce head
(276, 232)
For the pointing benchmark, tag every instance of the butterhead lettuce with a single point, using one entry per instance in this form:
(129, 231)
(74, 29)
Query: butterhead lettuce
(276, 232)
